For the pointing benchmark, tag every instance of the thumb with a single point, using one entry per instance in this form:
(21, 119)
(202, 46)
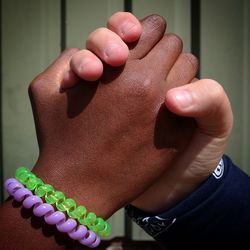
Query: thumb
(206, 101)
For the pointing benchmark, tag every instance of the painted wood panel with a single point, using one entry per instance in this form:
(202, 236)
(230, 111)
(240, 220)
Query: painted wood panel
(30, 41)
(83, 17)
(225, 57)
(246, 88)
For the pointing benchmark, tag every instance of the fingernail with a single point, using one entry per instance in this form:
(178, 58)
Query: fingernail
(183, 98)
(112, 49)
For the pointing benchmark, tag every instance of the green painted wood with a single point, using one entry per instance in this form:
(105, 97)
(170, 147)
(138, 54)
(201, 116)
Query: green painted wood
(30, 41)
(83, 17)
(225, 58)
(246, 87)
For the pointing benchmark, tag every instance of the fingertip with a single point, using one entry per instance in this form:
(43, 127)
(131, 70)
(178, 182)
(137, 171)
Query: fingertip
(108, 46)
(179, 101)
(91, 71)
(86, 65)
(126, 25)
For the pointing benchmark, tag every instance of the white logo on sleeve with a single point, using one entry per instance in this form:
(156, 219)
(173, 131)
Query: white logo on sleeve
(218, 172)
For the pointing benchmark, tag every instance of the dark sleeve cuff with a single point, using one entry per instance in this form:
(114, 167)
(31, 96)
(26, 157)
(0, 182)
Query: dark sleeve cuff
(215, 216)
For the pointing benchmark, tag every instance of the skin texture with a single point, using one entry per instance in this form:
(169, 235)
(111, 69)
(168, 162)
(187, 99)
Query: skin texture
(194, 164)
(214, 119)
(203, 100)
(114, 132)
(87, 63)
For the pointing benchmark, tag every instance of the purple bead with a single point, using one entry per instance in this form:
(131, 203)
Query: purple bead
(42, 209)
(96, 242)
(55, 218)
(58, 218)
(20, 194)
(89, 239)
(78, 233)
(13, 187)
(8, 182)
(66, 226)
(32, 200)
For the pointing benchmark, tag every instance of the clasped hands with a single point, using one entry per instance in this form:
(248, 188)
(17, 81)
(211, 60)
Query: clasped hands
(125, 120)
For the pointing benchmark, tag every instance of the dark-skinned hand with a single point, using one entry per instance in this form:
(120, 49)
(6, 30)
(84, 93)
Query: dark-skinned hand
(204, 100)
(104, 143)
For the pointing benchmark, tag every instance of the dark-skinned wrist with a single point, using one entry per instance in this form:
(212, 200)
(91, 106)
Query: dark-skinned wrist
(84, 192)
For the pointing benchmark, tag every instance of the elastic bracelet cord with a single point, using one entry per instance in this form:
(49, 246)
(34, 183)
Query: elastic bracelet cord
(51, 217)
(63, 204)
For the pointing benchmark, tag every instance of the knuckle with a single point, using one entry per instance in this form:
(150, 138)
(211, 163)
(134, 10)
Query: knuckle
(34, 86)
(141, 88)
(174, 42)
(191, 60)
(37, 87)
(215, 88)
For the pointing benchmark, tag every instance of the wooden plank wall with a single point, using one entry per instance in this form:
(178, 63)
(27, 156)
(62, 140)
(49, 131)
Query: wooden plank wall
(31, 38)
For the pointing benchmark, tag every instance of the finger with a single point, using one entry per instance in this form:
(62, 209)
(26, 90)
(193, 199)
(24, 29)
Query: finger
(125, 25)
(164, 55)
(153, 28)
(108, 46)
(54, 76)
(206, 101)
(86, 65)
(59, 71)
(183, 71)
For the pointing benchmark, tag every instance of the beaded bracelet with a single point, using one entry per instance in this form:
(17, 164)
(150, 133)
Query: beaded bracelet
(51, 217)
(63, 204)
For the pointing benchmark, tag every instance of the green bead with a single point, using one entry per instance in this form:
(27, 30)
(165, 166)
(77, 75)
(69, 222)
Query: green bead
(24, 177)
(99, 225)
(79, 212)
(90, 219)
(55, 197)
(106, 231)
(33, 182)
(20, 171)
(43, 190)
(67, 205)
(39, 182)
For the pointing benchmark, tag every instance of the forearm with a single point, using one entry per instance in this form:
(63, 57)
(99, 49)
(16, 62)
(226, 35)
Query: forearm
(22, 230)
(81, 188)
(25, 225)
(215, 216)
